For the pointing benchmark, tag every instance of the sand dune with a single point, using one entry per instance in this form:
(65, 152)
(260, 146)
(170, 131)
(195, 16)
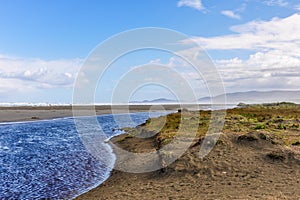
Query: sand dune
(248, 162)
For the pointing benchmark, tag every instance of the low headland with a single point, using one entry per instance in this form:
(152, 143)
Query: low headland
(257, 156)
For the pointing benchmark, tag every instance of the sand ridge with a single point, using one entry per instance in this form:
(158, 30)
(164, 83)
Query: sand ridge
(238, 168)
(250, 161)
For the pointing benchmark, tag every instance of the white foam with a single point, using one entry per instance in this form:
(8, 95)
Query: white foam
(18, 104)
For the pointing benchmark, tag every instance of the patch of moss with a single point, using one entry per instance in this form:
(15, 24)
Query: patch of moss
(249, 115)
(281, 126)
(260, 126)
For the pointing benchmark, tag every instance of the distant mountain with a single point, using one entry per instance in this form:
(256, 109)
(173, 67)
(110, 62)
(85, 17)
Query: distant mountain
(256, 97)
(160, 100)
(238, 97)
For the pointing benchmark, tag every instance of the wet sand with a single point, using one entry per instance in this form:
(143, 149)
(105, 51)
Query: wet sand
(32, 113)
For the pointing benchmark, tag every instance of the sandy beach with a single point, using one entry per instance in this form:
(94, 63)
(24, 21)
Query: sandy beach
(255, 158)
(150, 100)
(32, 113)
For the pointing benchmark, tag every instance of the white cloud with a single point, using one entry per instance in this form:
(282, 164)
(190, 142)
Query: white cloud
(230, 14)
(196, 4)
(261, 71)
(276, 34)
(22, 74)
(280, 3)
(275, 63)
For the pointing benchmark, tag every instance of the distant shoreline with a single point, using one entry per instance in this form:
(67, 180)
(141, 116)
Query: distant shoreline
(34, 113)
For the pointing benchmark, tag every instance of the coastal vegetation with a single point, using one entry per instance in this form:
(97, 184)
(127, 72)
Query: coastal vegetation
(256, 156)
(278, 121)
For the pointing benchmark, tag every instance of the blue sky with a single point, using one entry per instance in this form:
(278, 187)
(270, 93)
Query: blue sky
(254, 43)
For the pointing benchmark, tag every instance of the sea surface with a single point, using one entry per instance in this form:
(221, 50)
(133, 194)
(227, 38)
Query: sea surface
(47, 159)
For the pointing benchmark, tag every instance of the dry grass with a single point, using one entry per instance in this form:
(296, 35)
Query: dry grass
(280, 120)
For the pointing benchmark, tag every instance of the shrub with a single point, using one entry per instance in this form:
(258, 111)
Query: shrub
(260, 126)
(281, 126)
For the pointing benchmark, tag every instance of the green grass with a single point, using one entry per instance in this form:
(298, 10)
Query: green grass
(281, 126)
(278, 120)
(260, 126)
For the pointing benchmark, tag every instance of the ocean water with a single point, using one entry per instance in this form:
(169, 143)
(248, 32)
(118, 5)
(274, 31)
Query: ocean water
(46, 159)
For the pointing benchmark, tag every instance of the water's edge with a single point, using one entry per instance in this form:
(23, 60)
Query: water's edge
(38, 145)
(120, 133)
(113, 154)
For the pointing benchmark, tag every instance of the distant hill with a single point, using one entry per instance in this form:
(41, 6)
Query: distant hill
(237, 97)
(257, 97)
(160, 100)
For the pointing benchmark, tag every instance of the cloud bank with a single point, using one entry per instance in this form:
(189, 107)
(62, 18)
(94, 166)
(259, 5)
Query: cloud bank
(277, 34)
(23, 74)
(275, 63)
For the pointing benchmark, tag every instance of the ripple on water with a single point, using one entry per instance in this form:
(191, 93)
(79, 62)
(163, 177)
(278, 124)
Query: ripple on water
(46, 159)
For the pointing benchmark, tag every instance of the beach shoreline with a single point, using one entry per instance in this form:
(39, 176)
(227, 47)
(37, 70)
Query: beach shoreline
(34, 113)
(249, 162)
(253, 159)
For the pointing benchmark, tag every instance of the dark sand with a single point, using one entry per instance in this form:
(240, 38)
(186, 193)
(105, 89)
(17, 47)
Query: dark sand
(32, 113)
